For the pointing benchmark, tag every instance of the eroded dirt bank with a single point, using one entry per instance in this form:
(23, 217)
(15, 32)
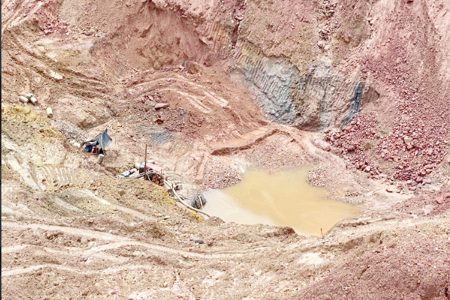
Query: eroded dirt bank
(357, 90)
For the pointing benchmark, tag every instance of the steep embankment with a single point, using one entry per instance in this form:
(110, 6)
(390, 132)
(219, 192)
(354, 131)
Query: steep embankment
(211, 88)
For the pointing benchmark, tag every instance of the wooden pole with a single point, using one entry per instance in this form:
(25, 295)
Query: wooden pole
(145, 163)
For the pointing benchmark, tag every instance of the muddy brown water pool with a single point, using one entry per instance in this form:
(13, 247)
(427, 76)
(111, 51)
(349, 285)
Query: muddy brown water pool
(282, 198)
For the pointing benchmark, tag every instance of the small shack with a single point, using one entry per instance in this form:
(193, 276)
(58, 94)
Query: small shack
(98, 144)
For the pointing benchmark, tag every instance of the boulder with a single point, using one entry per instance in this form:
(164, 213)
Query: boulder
(49, 111)
(161, 105)
(33, 99)
(23, 99)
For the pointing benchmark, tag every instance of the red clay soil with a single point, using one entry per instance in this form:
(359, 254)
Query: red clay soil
(413, 267)
(427, 203)
(408, 66)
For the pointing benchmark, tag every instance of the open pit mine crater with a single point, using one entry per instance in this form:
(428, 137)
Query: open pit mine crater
(317, 132)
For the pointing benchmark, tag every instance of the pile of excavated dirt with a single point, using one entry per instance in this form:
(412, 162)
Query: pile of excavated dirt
(394, 267)
(357, 91)
(406, 139)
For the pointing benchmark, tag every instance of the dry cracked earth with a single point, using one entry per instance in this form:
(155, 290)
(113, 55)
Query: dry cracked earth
(357, 90)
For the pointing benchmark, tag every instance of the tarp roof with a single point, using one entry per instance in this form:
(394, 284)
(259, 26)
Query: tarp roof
(103, 139)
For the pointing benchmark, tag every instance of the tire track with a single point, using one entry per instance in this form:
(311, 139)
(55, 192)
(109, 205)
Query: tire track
(121, 241)
(11, 16)
(72, 81)
(68, 251)
(107, 271)
(175, 84)
(132, 212)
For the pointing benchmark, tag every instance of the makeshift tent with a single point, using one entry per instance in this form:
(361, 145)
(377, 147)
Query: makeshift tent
(99, 143)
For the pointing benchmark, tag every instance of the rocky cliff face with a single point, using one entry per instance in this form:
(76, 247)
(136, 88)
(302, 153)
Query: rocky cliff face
(304, 60)
(319, 65)
(307, 100)
(291, 56)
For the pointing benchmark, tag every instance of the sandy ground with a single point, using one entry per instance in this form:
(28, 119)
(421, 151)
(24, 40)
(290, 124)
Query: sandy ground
(72, 230)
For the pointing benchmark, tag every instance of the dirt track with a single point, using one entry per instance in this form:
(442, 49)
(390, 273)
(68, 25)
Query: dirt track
(238, 91)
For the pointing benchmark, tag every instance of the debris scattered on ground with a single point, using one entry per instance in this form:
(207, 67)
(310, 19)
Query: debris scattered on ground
(198, 241)
(154, 173)
(127, 173)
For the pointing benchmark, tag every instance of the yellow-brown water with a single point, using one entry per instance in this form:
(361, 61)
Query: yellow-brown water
(281, 198)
